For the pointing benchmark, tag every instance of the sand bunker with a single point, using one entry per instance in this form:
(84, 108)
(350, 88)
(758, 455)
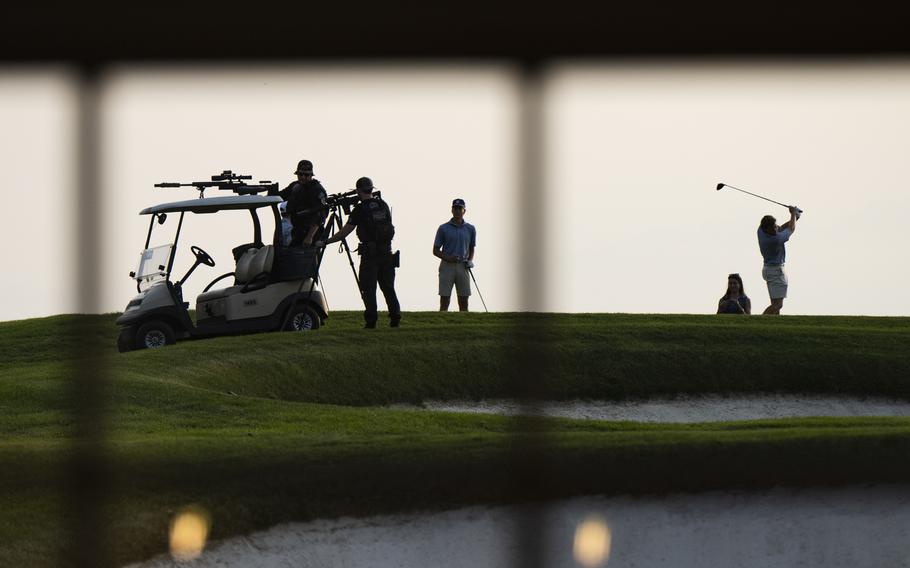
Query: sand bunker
(690, 409)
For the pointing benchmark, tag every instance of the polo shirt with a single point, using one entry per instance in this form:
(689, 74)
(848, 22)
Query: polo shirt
(456, 240)
(772, 246)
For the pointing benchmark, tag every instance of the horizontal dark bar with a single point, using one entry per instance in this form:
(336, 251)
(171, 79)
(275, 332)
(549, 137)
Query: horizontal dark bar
(419, 30)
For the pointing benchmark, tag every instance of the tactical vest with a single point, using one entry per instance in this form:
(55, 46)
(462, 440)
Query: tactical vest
(375, 224)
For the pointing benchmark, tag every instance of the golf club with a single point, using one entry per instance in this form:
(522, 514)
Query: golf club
(723, 185)
(471, 272)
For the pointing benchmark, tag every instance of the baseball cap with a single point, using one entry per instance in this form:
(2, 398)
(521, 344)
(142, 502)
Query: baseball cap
(364, 184)
(304, 167)
(458, 203)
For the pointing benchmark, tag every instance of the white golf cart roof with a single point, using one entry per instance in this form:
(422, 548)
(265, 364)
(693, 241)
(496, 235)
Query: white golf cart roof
(213, 204)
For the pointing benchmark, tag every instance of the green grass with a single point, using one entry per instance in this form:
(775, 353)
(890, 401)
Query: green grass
(471, 356)
(269, 428)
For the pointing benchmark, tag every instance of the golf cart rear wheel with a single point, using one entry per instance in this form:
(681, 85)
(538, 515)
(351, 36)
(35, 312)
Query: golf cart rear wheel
(154, 334)
(302, 318)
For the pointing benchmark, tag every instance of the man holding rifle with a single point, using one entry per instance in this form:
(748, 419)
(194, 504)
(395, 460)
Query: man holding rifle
(373, 220)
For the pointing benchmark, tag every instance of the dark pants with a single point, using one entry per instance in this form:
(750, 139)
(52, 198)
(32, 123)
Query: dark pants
(378, 268)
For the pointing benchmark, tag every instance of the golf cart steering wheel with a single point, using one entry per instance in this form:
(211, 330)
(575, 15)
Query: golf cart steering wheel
(202, 256)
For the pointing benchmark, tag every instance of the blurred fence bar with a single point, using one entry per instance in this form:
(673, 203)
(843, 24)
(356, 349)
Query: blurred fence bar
(530, 347)
(88, 479)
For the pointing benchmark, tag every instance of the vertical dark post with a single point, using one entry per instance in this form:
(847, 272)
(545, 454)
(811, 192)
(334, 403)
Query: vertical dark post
(532, 205)
(87, 479)
(530, 360)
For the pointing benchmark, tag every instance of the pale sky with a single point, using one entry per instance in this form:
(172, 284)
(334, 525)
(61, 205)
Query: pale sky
(424, 136)
(633, 152)
(37, 130)
(637, 151)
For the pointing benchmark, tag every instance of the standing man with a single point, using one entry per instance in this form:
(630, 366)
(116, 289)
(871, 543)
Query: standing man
(373, 221)
(771, 239)
(454, 246)
(306, 205)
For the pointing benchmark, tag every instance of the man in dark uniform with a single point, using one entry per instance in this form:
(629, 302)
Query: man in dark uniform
(373, 220)
(306, 205)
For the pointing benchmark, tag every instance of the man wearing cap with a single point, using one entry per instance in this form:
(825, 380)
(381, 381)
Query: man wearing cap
(373, 220)
(306, 205)
(454, 246)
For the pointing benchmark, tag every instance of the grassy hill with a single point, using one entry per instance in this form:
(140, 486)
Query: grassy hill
(274, 427)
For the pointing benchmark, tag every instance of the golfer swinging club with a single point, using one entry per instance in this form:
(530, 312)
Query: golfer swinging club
(771, 239)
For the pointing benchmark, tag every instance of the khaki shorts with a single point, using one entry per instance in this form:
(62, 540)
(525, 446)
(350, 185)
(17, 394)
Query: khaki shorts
(454, 274)
(777, 281)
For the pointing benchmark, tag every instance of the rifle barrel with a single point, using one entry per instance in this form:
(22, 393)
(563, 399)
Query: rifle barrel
(228, 183)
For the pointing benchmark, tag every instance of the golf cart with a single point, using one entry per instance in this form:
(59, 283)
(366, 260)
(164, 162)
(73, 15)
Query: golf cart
(273, 287)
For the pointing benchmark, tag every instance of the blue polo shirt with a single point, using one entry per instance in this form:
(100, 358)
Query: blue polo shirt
(455, 239)
(772, 246)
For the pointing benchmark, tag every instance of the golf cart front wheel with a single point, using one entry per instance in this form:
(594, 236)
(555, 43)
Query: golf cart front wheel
(126, 339)
(302, 318)
(154, 334)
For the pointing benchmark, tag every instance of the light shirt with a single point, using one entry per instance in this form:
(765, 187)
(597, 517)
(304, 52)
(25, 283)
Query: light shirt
(772, 246)
(456, 240)
(286, 231)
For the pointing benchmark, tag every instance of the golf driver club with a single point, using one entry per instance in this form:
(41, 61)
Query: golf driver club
(471, 272)
(723, 185)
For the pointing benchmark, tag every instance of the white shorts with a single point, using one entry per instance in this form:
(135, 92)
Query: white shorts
(777, 281)
(454, 274)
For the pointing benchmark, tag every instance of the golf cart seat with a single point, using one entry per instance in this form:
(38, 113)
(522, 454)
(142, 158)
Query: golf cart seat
(254, 264)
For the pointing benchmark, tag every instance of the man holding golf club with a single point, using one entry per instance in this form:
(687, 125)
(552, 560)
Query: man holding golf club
(454, 246)
(771, 239)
